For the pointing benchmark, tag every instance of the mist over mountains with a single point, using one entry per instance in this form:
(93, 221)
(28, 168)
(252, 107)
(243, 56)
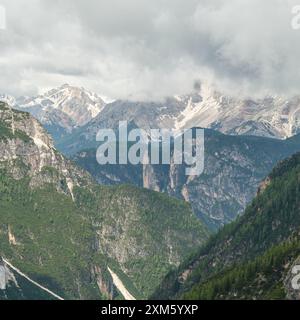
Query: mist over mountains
(69, 107)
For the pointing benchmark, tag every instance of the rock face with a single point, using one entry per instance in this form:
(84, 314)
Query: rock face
(142, 238)
(24, 139)
(78, 104)
(6, 276)
(275, 117)
(234, 167)
(292, 280)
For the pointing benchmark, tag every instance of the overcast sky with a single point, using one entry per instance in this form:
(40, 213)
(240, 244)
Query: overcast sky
(142, 49)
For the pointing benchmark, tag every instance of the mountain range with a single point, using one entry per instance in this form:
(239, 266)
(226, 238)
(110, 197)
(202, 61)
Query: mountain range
(66, 108)
(234, 162)
(68, 234)
(275, 117)
(60, 110)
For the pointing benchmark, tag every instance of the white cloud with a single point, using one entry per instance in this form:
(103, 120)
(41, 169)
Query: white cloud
(149, 49)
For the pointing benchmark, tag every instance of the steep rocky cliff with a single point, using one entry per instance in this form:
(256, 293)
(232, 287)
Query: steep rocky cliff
(24, 140)
(233, 169)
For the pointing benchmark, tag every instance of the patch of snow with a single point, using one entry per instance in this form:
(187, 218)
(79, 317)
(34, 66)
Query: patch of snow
(70, 187)
(119, 284)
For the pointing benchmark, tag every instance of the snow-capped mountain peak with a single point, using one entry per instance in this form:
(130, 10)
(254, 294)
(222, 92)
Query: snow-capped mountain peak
(61, 109)
(79, 104)
(270, 116)
(67, 107)
(10, 100)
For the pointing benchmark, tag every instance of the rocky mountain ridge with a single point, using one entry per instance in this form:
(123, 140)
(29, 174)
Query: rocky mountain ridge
(60, 110)
(272, 116)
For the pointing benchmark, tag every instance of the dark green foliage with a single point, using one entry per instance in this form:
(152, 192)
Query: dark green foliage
(272, 219)
(53, 239)
(258, 279)
(24, 291)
